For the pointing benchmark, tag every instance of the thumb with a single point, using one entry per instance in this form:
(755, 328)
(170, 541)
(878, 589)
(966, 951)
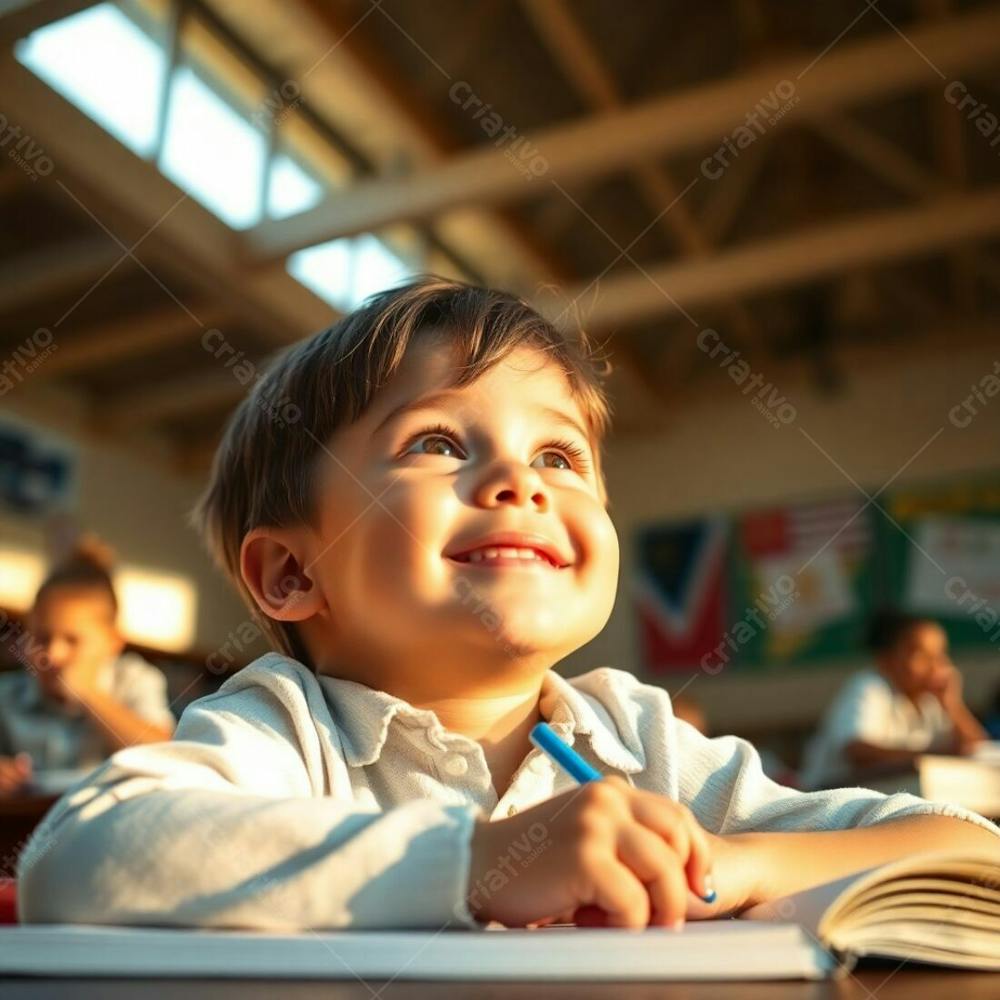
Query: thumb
(24, 759)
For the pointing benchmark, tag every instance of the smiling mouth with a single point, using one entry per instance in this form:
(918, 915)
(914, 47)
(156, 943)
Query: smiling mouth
(504, 557)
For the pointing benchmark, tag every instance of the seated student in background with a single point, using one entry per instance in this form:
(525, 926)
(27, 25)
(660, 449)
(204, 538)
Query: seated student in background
(81, 698)
(912, 704)
(413, 501)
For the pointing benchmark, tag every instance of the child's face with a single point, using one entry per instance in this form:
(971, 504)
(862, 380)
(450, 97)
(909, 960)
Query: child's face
(919, 660)
(397, 502)
(73, 634)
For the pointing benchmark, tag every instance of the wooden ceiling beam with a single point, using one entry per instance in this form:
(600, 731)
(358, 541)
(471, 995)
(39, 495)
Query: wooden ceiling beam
(850, 74)
(901, 171)
(19, 18)
(40, 275)
(788, 260)
(769, 264)
(183, 395)
(582, 65)
(126, 337)
(546, 264)
(948, 136)
(881, 157)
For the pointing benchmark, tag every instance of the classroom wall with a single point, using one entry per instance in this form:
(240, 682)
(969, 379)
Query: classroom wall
(720, 454)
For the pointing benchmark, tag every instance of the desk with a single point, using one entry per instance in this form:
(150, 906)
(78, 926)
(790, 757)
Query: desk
(876, 978)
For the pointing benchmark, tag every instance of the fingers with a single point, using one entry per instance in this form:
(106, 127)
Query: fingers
(660, 869)
(675, 824)
(621, 895)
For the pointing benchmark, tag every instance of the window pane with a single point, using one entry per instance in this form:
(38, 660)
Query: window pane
(157, 609)
(346, 271)
(213, 151)
(327, 270)
(376, 268)
(107, 66)
(291, 190)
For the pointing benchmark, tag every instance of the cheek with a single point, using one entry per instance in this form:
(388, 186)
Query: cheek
(593, 533)
(592, 526)
(399, 541)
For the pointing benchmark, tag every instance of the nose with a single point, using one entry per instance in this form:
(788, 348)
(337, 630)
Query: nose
(511, 482)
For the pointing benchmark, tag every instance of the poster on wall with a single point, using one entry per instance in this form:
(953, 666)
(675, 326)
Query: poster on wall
(679, 592)
(37, 469)
(767, 588)
(798, 584)
(942, 552)
(801, 575)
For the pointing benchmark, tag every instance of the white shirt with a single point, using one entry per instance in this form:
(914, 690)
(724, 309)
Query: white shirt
(60, 735)
(289, 801)
(872, 709)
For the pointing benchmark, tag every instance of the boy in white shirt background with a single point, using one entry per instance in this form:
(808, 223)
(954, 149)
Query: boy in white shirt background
(375, 771)
(885, 718)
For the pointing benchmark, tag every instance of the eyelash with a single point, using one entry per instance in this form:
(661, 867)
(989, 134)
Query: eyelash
(576, 453)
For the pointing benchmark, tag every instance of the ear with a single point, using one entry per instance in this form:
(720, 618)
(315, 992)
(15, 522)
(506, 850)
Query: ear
(273, 563)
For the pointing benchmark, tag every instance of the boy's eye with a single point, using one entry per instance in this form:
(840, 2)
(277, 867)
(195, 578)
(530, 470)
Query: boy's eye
(562, 458)
(439, 439)
(436, 444)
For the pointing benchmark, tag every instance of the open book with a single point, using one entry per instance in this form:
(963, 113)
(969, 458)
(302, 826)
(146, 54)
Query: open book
(931, 908)
(941, 908)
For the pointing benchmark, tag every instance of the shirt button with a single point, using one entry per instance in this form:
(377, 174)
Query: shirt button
(511, 810)
(456, 765)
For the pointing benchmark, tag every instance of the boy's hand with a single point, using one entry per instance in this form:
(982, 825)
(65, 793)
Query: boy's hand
(604, 852)
(15, 772)
(73, 684)
(946, 685)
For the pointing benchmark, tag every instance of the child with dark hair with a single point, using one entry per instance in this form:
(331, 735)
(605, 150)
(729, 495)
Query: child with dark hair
(413, 501)
(81, 697)
(912, 704)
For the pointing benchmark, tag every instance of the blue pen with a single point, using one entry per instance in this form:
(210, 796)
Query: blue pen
(543, 737)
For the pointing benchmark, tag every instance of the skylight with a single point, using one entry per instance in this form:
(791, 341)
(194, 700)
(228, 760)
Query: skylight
(346, 271)
(213, 152)
(107, 66)
(113, 70)
(291, 189)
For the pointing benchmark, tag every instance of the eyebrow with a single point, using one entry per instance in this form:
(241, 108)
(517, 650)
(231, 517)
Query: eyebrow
(434, 400)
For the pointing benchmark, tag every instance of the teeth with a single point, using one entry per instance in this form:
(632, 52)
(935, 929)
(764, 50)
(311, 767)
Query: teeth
(479, 555)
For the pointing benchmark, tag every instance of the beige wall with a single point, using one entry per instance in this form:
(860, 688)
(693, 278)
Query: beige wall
(722, 455)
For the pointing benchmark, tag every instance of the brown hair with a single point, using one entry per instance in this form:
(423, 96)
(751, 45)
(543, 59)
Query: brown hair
(262, 474)
(87, 568)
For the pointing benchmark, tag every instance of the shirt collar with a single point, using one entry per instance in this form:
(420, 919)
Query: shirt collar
(363, 715)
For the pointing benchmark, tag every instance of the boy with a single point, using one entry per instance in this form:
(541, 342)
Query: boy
(81, 697)
(912, 705)
(385, 500)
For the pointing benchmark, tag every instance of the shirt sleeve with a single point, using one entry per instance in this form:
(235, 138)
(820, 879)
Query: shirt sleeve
(142, 688)
(724, 785)
(228, 825)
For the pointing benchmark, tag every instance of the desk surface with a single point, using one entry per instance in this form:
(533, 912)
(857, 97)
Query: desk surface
(886, 981)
